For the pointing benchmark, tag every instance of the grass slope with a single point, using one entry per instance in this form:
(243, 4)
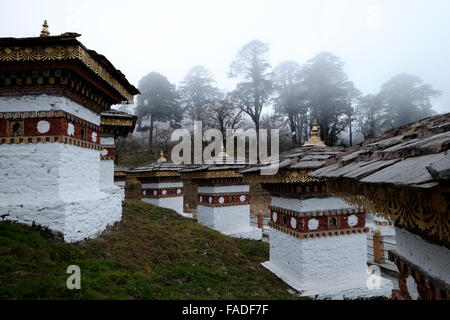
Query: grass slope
(153, 253)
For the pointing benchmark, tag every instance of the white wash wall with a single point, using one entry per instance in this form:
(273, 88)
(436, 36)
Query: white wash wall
(56, 185)
(48, 103)
(174, 203)
(431, 258)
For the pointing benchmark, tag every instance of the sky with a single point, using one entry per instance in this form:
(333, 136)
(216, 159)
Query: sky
(376, 39)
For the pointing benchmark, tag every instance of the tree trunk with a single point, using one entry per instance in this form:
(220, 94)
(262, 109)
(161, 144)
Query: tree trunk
(150, 135)
(350, 132)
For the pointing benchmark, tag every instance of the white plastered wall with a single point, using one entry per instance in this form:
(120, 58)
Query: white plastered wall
(56, 185)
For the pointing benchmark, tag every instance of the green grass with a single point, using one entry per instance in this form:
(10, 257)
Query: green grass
(153, 253)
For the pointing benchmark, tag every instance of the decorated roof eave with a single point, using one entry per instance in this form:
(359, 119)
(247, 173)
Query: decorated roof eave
(118, 124)
(66, 48)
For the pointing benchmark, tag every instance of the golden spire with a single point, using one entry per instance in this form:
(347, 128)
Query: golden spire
(315, 139)
(45, 32)
(223, 153)
(161, 158)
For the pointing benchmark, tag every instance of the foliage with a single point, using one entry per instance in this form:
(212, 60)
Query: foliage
(252, 67)
(405, 99)
(153, 253)
(198, 94)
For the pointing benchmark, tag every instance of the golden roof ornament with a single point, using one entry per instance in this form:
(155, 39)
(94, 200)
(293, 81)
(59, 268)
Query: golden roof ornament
(161, 158)
(314, 140)
(223, 153)
(45, 32)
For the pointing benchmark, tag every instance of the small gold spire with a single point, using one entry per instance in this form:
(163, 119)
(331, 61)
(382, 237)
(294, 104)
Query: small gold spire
(161, 158)
(223, 153)
(45, 32)
(314, 140)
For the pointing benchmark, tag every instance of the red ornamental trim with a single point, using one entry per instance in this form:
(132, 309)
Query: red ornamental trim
(319, 223)
(225, 199)
(315, 213)
(428, 287)
(162, 192)
(55, 125)
(318, 234)
(108, 153)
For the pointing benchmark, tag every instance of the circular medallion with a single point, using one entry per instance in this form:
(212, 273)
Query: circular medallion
(155, 192)
(70, 129)
(274, 217)
(221, 200)
(164, 192)
(43, 126)
(412, 287)
(242, 198)
(313, 224)
(201, 198)
(210, 199)
(352, 220)
(94, 136)
(144, 193)
(293, 223)
(178, 190)
(104, 152)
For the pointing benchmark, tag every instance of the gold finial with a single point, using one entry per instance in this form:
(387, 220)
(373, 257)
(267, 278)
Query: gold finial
(223, 153)
(45, 32)
(314, 140)
(161, 158)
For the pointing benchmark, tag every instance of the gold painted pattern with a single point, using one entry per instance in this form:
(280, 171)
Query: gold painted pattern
(57, 53)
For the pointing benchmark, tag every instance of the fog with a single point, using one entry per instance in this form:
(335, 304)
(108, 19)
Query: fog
(376, 39)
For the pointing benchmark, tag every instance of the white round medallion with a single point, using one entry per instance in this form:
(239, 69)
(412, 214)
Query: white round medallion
(70, 129)
(293, 223)
(164, 191)
(242, 198)
(412, 287)
(313, 224)
(104, 152)
(210, 199)
(144, 193)
(352, 220)
(155, 192)
(94, 136)
(201, 198)
(178, 190)
(43, 126)
(274, 217)
(221, 200)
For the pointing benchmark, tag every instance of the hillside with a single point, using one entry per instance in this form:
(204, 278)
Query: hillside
(153, 253)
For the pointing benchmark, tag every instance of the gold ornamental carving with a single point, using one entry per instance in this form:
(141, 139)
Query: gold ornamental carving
(58, 53)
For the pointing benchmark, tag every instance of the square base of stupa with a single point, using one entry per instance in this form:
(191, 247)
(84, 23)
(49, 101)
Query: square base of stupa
(353, 289)
(233, 221)
(174, 203)
(75, 220)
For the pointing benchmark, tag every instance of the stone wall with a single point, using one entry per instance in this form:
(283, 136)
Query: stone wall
(190, 199)
(259, 200)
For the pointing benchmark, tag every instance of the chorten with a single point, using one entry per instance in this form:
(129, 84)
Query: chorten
(314, 140)
(52, 93)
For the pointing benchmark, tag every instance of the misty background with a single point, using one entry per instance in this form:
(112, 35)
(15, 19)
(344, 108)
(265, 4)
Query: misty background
(156, 44)
(375, 39)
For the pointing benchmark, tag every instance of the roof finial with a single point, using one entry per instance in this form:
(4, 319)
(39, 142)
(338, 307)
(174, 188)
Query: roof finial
(45, 32)
(223, 153)
(314, 140)
(161, 158)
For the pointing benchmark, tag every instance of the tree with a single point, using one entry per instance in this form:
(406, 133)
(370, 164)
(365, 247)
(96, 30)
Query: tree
(158, 101)
(291, 97)
(369, 115)
(225, 116)
(330, 94)
(198, 93)
(252, 67)
(406, 99)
